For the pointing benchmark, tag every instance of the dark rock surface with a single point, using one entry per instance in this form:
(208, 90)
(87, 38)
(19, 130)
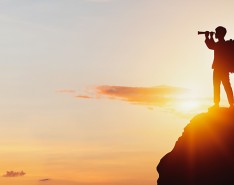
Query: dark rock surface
(204, 154)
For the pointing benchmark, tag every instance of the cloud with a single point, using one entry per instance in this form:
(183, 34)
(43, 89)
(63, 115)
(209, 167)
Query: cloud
(44, 180)
(158, 95)
(14, 174)
(177, 100)
(83, 96)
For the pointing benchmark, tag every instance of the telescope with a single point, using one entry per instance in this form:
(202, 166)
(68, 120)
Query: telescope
(204, 32)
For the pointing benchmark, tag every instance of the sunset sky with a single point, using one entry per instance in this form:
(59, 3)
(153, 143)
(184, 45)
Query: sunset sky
(96, 92)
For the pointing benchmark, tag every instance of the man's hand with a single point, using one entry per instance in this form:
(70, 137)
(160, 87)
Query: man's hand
(211, 34)
(207, 33)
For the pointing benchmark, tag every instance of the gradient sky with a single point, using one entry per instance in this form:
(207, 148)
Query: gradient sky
(97, 91)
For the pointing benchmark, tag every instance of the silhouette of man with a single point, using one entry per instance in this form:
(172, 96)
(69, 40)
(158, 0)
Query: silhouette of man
(220, 65)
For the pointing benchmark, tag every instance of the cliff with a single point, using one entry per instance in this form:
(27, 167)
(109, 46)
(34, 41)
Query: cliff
(204, 154)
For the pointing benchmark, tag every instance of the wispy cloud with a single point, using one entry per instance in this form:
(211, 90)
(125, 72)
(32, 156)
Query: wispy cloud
(44, 180)
(178, 100)
(83, 96)
(14, 174)
(158, 95)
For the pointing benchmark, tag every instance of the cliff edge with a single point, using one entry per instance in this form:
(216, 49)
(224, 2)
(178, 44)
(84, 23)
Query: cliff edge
(204, 154)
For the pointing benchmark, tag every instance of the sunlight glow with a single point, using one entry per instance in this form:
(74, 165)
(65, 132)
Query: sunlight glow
(188, 106)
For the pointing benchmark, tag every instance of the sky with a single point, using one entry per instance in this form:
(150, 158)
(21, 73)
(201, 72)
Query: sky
(98, 91)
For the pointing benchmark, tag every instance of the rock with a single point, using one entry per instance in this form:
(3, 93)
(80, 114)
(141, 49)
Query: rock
(204, 154)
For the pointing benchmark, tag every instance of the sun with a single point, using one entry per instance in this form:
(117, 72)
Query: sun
(188, 105)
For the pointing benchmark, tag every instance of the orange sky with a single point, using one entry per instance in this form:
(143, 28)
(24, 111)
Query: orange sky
(97, 91)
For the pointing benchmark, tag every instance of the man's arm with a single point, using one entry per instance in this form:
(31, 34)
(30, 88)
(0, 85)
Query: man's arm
(210, 43)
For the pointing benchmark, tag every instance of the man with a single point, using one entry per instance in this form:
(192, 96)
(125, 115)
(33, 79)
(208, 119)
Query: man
(220, 65)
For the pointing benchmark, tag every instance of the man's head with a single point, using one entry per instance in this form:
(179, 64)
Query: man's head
(220, 32)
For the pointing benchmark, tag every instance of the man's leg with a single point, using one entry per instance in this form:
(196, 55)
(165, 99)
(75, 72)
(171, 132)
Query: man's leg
(228, 88)
(216, 84)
